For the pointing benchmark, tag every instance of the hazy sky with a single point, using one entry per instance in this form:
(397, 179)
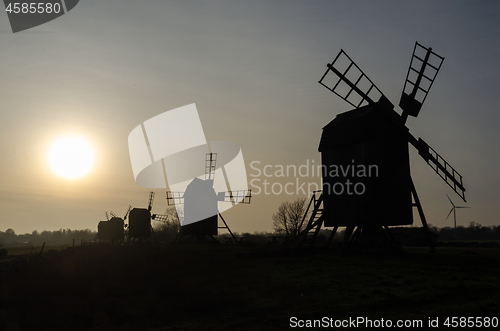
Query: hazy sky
(252, 69)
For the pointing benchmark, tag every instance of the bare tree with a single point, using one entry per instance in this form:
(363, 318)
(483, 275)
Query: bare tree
(168, 229)
(289, 216)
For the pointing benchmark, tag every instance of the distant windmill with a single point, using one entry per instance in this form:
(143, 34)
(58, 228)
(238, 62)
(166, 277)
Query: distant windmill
(200, 199)
(113, 228)
(139, 223)
(454, 211)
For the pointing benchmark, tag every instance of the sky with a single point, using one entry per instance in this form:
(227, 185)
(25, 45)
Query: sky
(252, 68)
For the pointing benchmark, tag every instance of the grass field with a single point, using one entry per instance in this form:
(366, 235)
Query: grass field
(26, 251)
(232, 287)
(471, 241)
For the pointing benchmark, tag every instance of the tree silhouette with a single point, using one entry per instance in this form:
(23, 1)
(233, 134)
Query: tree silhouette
(168, 229)
(289, 216)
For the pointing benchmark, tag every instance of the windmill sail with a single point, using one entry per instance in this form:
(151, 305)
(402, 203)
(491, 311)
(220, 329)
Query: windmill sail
(160, 218)
(175, 198)
(151, 197)
(128, 211)
(210, 162)
(239, 196)
(351, 78)
(419, 79)
(441, 167)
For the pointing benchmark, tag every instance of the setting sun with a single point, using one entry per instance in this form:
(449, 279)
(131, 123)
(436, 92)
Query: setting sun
(71, 157)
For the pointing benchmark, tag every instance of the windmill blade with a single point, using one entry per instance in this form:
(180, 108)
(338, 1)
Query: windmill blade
(160, 218)
(351, 78)
(421, 74)
(210, 161)
(452, 209)
(175, 198)
(112, 214)
(151, 197)
(239, 196)
(461, 207)
(128, 211)
(107, 216)
(450, 201)
(441, 167)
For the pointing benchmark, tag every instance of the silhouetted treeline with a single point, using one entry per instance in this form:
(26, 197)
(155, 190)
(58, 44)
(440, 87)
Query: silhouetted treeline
(167, 232)
(60, 237)
(474, 231)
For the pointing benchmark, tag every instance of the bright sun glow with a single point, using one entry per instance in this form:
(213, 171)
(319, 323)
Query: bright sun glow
(71, 157)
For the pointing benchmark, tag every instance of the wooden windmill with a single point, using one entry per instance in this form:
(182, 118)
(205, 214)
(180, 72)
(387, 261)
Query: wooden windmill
(200, 199)
(139, 224)
(374, 135)
(113, 228)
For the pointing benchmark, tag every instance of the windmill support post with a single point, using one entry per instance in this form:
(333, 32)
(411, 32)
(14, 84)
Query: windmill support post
(227, 227)
(308, 207)
(347, 235)
(41, 251)
(388, 232)
(319, 223)
(352, 233)
(315, 219)
(179, 236)
(422, 216)
(154, 235)
(356, 235)
(332, 235)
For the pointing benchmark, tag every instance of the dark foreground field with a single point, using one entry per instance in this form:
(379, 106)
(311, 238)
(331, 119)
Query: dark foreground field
(230, 287)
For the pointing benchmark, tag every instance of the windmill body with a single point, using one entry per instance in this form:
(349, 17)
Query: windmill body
(139, 224)
(200, 199)
(366, 170)
(111, 230)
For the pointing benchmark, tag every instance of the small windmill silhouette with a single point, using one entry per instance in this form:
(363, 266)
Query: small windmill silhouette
(453, 209)
(200, 214)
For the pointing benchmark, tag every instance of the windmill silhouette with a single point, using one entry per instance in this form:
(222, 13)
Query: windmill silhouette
(139, 226)
(113, 228)
(373, 133)
(453, 209)
(139, 223)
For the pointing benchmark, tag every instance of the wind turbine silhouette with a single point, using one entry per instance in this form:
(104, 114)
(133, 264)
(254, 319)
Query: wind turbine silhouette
(454, 212)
